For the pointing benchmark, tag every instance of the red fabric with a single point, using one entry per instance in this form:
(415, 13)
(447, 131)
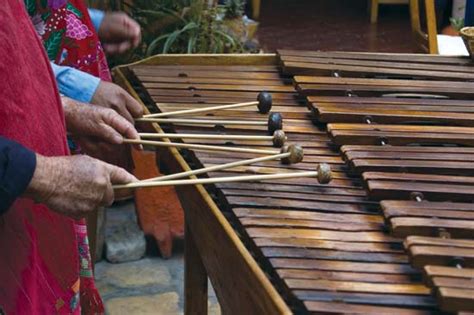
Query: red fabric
(70, 39)
(39, 269)
(69, 36)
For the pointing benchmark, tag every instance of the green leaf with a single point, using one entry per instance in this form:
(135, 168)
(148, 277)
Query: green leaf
(173, 36)
(73, 9)
(170, 40)
(53, 43)
(154, 44)
(192, 43)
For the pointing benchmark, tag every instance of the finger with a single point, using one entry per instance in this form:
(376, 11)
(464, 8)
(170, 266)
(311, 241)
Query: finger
(109, 196)
(136, 31)
(132, 28)
(122, 108)
(133, 106)
(110, 135)
(124, 46)
(121, 125)
(120, 176)
(110, 48)
(117, 48)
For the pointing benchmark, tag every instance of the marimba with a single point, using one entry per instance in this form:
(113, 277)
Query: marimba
(392, 233)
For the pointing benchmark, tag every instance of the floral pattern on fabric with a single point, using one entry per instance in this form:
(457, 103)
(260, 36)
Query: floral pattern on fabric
(68, 35)
(76, 29)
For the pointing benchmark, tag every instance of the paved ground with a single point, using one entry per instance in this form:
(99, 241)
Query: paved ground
(333, 25)
(151, 285)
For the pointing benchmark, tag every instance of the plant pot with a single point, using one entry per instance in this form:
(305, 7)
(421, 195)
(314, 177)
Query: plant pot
(467, 34)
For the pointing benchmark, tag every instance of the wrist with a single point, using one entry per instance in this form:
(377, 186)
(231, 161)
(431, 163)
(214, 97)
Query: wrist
(69, 108)
(41, 184)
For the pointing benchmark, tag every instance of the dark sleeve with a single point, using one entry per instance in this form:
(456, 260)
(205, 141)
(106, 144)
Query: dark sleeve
(469, 19)
(17, 165)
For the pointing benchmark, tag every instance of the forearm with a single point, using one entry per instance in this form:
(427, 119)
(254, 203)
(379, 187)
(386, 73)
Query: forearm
(74, 83)
(17, 166)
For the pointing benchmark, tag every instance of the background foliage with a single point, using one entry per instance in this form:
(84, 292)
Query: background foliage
(182, 26)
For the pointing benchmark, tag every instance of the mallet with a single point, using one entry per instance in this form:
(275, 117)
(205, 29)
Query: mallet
(202, 147)
(278, 138)
(274, 122)
(264, 105)
(291, 154)
(322, 173)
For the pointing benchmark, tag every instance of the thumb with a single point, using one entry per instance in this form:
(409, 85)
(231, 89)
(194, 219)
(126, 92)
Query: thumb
(120, 176)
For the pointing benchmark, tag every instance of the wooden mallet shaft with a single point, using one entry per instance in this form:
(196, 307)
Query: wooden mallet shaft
(323, 173)
(264, 104)
(220, 167)
(278, 138)
(204, 121)
(202, 147)
(274, 122)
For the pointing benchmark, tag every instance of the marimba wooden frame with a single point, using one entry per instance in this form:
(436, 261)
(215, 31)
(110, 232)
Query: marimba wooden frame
(212, 247)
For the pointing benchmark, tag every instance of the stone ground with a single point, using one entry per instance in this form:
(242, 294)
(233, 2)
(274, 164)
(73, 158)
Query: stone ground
(151, 285)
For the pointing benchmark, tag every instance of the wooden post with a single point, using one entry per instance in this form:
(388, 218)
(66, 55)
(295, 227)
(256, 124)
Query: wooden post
(374, 11)
(415, 16)
(195, 277)
(431, 27)
(256, 9)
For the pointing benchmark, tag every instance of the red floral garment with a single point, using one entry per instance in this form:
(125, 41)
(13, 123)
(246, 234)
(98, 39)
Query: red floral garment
(71, 40)
(68, 35)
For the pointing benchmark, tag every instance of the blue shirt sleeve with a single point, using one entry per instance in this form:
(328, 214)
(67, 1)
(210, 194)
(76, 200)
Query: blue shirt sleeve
(97, 17)
(74, 83)
(17, 166)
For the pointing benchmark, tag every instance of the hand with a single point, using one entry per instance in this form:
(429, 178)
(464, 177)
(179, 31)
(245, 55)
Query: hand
(112, 96)
(119, 33)
(103, 124)
(75, 185)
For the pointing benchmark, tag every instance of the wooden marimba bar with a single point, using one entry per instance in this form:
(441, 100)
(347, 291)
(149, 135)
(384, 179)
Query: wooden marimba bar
(357, 245)
(410, 138)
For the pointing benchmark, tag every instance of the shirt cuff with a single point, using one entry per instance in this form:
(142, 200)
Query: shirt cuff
(97, 17)
(17, 172)
(75, 84)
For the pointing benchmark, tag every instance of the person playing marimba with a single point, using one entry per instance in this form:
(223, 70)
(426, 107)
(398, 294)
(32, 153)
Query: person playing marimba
(42, 189)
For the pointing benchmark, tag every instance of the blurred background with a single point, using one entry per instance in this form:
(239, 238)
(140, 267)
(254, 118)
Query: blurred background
(240, 26)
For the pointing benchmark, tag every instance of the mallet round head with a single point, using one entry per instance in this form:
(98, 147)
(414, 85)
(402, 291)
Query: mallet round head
(279, 138)
(324, 173)
(296, 154)
(264, 102)
(275, 122)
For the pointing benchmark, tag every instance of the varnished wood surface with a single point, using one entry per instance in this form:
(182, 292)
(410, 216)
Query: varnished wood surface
(370, 65)
(313, 85)
(383, 111)
(364, 134)
(417, 144)
(384, 185)
(328, 249)
(448, 269)
(290, 230)
(407, 218)
(424, 160)
(256, 294)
